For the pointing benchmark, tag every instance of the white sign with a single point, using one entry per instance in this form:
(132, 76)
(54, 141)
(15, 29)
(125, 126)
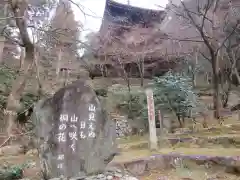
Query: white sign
(73, 135)
(62, 138)
(60, 166)
(60, 157)
(64, 118)
(151, 120)
(91, 118)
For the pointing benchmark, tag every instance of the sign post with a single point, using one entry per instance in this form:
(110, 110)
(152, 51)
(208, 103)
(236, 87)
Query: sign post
(153, 142)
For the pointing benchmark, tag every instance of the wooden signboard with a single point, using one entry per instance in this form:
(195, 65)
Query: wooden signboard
(153, 143)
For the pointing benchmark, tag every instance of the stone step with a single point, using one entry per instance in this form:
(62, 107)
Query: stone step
(164, 161)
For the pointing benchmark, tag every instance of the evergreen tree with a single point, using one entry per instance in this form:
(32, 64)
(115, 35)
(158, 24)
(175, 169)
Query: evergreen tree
(174, 93)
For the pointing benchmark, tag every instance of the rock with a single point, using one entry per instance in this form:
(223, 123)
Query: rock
(113, 169)
(12, 150)
(30, 172)
(163, 178)
(129, 178)
(118, 175)
(32, 152)
(74, 135)
(137, 168)
(158, 163)
(100, 176)
(122, 126)
(31, 164)
(109, 177)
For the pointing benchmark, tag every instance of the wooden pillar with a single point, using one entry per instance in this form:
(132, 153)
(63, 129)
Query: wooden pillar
(153, 142)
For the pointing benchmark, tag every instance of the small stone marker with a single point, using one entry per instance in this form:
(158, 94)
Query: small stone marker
(153, 141)
(74, 136)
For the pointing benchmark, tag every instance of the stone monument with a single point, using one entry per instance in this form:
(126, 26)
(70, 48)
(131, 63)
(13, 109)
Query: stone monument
(73, 134)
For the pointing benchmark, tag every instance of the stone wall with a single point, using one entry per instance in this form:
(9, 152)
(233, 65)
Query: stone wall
(122, 126)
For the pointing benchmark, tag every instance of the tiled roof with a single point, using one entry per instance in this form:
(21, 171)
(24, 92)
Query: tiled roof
(129, 15)
(126, 30)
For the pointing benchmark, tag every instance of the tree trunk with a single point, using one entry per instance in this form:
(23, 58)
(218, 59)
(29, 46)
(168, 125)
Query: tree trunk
(180, 122)
(142, 73)
(207, 78)
(183, 121)
(59, 59)
(226, 95)
(129, 94)
(237, 75)
(216, 96)
(194, 81)
(22, 57)
(65, 78)
(36, 61)
(127, 79)
(140, 65)
(13, 101)
(2, 39)
(204, 123)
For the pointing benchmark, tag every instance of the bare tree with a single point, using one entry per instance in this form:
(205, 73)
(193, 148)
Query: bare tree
(34, 47)
(19, 10)
(3, 22)
(204, 17)
(232, 53)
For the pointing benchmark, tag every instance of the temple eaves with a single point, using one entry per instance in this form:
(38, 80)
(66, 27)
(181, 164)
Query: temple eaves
(127, 15)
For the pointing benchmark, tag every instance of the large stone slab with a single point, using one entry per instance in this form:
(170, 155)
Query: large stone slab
(140, 166)
(73, 134)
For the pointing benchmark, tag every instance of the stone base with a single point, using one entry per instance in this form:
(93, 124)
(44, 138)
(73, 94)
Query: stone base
(110, 174)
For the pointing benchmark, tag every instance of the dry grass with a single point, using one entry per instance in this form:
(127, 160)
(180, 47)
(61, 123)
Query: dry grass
(203, 151)
(188, 174)
(132, 139)
(135, 147)
(136, 154)
(193, 172)
(228, 130)
(126, 156)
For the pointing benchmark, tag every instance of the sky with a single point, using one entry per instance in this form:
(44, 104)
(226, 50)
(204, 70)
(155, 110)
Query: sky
(95, 8)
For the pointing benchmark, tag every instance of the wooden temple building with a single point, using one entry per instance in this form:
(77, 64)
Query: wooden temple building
(128, 41)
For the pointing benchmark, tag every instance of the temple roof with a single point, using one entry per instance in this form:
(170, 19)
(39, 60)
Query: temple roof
(126, 30)
(123, 14)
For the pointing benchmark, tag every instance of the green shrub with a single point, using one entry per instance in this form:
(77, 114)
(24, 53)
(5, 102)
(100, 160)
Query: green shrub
(13, 172)
(130, 103)
(173, 93)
